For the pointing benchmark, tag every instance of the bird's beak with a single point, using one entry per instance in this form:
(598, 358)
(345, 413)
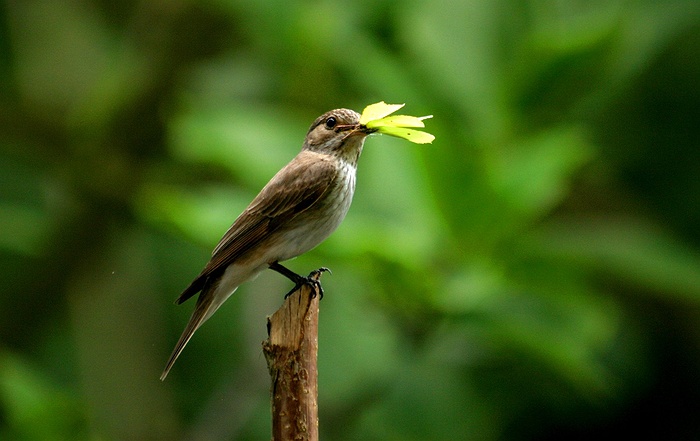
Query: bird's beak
(364, 129)
(355, 129)
(352, 130)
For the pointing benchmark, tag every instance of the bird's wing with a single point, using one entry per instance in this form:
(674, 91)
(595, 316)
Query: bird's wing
(294, 189)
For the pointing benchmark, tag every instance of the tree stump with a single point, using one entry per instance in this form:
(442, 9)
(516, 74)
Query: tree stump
(291, 352)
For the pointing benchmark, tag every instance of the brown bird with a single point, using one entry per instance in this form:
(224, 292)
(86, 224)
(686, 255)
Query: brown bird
(298, 209)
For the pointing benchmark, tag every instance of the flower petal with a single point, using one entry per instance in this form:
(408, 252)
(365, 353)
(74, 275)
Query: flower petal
(377, 111)
(409, 134)
(398, 121)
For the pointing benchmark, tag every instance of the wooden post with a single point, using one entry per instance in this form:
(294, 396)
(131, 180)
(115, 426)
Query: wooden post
(291, 352)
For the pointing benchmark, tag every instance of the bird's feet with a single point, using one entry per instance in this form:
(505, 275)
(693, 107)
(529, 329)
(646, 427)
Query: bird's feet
(311, 280)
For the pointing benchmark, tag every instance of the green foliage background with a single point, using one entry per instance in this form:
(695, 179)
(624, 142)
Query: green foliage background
(532, 274)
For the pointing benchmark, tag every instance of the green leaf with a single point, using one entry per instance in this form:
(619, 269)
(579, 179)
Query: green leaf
(412, 135)
(376, 116)
(377, 111)
(399, 121)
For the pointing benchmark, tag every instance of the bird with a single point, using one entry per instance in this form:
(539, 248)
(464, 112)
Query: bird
(294, 212)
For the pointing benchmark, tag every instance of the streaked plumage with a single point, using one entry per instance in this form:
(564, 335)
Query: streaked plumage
(299, 208)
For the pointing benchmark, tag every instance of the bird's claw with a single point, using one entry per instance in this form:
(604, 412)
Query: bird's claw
(311, 280)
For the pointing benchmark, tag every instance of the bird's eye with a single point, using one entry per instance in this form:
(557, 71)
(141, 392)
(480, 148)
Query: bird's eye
(330, 122)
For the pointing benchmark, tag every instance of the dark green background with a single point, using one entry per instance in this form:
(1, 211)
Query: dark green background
(534, 274)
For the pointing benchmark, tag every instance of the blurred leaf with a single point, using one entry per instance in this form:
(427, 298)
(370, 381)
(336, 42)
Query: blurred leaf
(253, 143)
(49, 77)
(426, 400)
(34, 408)
(115, 319)
(343, 322)
(25, 229)
(203, 214)
(25, 224)
(633, 251)
(533, 175)
(456, 42)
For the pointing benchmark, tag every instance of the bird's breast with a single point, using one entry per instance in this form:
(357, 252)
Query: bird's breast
(317, 222)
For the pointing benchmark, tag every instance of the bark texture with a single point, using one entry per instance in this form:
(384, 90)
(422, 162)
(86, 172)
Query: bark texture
(291, 352)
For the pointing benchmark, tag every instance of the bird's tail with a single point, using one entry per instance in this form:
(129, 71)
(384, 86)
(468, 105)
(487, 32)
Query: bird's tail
(207, 304)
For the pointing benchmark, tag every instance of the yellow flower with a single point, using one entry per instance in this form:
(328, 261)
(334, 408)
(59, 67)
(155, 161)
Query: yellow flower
(376, 116)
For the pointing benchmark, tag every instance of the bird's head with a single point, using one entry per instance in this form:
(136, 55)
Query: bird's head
(338, 133)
